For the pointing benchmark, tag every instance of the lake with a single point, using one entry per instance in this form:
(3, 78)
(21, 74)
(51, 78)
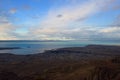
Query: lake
(33, 47)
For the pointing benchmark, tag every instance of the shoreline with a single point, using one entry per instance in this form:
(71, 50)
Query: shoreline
(87, 52)
(94, 46)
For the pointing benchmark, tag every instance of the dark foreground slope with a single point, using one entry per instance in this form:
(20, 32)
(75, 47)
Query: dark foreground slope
(93, 62)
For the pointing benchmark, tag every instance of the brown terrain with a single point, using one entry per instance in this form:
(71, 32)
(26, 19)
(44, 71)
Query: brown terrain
(93, 62)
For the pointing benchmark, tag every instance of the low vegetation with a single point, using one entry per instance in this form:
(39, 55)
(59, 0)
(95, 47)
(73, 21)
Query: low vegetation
(62, 64)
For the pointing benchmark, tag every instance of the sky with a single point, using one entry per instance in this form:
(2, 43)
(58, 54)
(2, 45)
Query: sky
(60, 20)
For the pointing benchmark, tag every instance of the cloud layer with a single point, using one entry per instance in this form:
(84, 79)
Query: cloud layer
(57, 23)
(64, 22)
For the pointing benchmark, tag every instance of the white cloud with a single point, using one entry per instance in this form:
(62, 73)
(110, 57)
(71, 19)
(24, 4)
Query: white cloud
(110, 30)
(13, 10)
(98, 33)
(6, 29)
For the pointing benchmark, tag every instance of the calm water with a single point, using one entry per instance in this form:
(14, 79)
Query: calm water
(40, 46)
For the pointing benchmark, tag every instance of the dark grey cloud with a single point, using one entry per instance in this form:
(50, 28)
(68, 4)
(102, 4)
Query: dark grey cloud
(60, 15)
